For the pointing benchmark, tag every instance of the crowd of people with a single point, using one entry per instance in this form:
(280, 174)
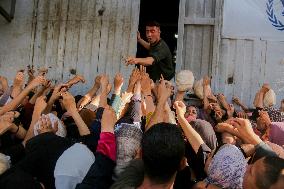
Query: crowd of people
(157, 134)
(148, 136)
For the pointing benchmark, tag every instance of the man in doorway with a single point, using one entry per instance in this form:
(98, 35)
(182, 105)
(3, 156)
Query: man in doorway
(159, 61)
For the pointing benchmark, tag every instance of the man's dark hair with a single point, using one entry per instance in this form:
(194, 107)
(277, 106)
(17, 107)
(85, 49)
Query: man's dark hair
(162, 151)
(273, 168)
(152, 23)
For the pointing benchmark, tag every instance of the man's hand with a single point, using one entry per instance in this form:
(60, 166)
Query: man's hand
(138, 36)
(131, 60)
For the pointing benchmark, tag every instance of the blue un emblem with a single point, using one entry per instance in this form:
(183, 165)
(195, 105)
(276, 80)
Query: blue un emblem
(275, 16)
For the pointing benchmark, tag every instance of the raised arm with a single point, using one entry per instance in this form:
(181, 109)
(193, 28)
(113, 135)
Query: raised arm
(164, 92)
(142, 42)
(238, 102)
(192, 136)
(18, 99)
(88, 96)
(70, 106)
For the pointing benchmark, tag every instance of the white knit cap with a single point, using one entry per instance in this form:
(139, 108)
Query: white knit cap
(269, 98)
(184, 80)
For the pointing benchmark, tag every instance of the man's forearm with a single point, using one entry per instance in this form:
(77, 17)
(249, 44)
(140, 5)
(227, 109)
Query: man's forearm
(148, 61)
(144, 43)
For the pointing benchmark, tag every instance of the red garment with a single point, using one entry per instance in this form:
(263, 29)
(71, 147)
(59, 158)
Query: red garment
(107, 145)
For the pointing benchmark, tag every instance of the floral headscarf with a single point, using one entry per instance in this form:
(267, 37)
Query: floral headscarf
(227, 167)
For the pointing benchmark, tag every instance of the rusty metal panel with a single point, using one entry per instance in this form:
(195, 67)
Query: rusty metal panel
(86, 37)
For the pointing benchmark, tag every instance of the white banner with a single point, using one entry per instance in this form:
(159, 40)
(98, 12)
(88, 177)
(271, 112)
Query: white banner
(253, 19)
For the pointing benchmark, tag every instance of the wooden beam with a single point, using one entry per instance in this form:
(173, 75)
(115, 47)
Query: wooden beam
(199, 21)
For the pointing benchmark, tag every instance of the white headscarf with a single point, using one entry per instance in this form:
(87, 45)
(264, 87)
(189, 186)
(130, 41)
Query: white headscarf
(61, 128)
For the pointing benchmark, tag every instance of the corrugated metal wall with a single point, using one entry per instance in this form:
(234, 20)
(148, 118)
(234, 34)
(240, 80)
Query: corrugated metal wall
(88, 36)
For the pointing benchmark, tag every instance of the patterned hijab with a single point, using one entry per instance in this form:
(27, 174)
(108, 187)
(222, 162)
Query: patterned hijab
(227, 167)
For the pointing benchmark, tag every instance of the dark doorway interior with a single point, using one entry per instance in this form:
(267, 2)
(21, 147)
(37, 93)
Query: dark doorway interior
(165, 12)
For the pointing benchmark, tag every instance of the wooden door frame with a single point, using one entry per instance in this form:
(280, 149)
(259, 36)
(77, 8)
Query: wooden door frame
(216, 22)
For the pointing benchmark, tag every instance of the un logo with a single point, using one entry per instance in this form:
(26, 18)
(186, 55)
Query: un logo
(271, 14)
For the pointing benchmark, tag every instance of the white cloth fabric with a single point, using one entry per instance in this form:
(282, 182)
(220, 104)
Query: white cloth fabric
(72, 166)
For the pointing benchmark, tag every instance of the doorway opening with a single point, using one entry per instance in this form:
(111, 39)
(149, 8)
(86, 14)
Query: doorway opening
(166, 12)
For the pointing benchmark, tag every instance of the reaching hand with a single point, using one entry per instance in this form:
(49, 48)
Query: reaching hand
(245, 131)
(180, 108)
(236, 100)
(206, 81)
(19, 78)
(118, 82)
(265, 88)
(31, 71)
(242, 115)
(164, 91)
(263, 115)
(137, 88)
(6, 121)
(40, 104)
(75, 80)
(42, 71)
(68, 102)
(104, 83)
(135, 75)
(83, 102)
(39, 80)
(131, 60)
(145, 81)
(58, 89)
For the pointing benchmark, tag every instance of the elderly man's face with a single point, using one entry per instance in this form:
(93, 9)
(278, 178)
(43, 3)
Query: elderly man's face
(252, 172)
